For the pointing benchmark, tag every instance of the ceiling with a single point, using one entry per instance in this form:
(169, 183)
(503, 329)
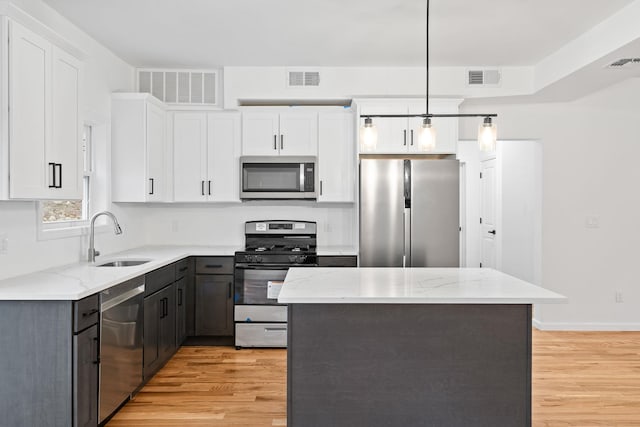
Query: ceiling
(215, 33)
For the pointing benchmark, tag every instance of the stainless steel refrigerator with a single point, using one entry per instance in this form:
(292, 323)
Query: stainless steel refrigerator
(409, 212)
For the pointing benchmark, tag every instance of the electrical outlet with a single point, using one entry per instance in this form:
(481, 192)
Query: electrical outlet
(619, 297)
(593, 221)
(4, 244)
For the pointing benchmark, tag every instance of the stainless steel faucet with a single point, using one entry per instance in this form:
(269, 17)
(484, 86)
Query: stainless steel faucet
(116, 228)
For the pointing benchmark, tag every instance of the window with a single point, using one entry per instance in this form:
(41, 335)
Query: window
(65, 214)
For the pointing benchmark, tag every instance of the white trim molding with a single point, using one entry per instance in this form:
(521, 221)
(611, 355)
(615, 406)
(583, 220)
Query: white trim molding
(585, 326)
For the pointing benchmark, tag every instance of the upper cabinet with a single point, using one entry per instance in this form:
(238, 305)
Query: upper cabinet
(44, 138)
(138, 144)
(205, 156)
(280, 133)
(399, 135)
(336, 157)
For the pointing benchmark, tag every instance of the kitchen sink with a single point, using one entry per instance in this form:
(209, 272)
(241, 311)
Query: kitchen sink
(124, 263)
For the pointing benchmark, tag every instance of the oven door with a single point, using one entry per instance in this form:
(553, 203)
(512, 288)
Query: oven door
(258, 284)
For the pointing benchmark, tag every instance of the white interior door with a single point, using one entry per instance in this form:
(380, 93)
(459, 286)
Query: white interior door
(488, 211)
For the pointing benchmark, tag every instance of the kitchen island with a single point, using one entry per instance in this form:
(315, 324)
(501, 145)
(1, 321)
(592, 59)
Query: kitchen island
(415, 347)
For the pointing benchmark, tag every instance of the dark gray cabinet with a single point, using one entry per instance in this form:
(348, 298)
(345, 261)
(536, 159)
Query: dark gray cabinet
(181, 311)
(48, 351)
(159, 319)
(214, 296)
(85, 377)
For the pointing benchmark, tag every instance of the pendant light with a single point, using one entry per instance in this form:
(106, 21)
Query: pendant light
(487, 133)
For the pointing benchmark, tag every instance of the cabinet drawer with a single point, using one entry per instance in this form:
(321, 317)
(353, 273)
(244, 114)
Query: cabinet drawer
(86, 312)
(214, 265)
(261, 334)
(260, 313)
(158, 279)
(337, 261)
(181, 268)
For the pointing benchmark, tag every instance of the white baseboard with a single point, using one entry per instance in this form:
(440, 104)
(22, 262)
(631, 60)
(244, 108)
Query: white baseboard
(585, 326)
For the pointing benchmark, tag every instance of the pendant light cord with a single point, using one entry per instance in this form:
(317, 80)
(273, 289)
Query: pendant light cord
(427, 61)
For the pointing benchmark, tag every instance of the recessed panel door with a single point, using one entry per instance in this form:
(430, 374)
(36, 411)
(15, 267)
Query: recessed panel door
(488, 209)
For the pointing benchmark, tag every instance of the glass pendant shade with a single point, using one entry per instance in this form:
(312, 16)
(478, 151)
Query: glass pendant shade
(487, 135)
(368, 136)
(427, 136)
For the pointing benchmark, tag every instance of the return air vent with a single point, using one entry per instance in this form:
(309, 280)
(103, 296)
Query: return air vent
(485, 78)
(187, 87)
(303, 78)
(625, 63)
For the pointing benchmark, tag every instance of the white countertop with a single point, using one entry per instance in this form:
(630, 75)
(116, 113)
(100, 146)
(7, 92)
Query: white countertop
(76, 281)
(409, 286)
(336, 250)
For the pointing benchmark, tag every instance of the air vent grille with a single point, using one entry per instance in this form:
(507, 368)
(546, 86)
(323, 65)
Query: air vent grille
(625, 63)
(489, 77)
(189, 87)
(303, 78)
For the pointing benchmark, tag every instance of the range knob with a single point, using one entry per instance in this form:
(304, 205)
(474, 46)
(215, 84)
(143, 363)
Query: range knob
(300, 259)
(258, 258)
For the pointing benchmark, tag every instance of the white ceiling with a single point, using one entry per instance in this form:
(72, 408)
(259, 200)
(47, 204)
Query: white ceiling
(214, 33)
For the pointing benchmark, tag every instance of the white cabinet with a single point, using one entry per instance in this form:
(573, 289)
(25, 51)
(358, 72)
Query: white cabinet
(336, 157)
(399, 135)
(44, 118)
(138, 141)
(205, 156)
(280, 133)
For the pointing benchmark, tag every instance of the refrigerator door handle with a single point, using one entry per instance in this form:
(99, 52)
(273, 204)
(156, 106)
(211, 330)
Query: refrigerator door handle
(407, 238)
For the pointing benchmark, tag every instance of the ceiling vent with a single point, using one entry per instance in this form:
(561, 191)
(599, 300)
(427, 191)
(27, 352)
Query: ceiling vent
(483, 78)
(624, 63)
(186, 87)
(303, 78)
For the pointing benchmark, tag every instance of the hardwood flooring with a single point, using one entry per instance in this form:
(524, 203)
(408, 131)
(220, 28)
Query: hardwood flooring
(580, 379)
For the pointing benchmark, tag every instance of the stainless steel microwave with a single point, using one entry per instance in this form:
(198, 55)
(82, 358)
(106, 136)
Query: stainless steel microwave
(278, 177)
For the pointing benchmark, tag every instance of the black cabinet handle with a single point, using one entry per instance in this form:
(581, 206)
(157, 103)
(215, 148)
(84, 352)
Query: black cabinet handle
(96, 351)
(492, 232)
(179, 297)
(59, 165)
(90, 313)
(166, 307)
(321, 187)
(230, 290)
(411, 136)
(53, 175)
(183, 269)
(405, 136)
(202, 187)
(151, 180)
(275, 142)
(282, 142)
(209, 187)
(213, 265)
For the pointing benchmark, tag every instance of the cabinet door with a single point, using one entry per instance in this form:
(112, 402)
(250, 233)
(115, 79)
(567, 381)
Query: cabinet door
(29, 114)
(214, 305)
(298, 134)
(167, 329)
(260, 134)
(155, 137)
(67, 125)
(336, 157)
(446, 134)
(151, 354)
(190, 157)
(85, 378)
(181, 311)
(224, 142)
(393, 133)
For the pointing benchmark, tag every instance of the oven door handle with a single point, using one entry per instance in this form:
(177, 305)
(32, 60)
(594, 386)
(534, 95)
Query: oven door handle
(271, 266)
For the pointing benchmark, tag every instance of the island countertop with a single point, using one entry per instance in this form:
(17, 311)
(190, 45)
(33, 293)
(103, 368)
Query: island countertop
(410, 286)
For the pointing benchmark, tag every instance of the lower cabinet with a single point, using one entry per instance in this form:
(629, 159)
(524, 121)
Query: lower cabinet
(338, 261)
(85, 377)
(214, 296)
(181, 310)
(214, 305)
(159, 329)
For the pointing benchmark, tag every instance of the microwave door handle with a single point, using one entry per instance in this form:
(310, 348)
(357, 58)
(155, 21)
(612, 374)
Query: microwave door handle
(301, 176)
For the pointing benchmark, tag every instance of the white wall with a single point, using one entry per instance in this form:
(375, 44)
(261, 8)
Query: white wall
(590, 149)
(104, 73)
(224, 224)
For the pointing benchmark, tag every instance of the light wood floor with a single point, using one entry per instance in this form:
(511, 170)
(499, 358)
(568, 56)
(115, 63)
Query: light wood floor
(580, 379)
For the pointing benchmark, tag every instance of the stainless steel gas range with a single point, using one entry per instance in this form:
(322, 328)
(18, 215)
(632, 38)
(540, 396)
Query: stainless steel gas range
(271, 247)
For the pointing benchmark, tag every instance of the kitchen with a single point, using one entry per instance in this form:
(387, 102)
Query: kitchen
(587, 249)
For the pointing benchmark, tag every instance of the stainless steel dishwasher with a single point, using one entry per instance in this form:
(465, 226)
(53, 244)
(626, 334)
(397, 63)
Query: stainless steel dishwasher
(121, 317)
